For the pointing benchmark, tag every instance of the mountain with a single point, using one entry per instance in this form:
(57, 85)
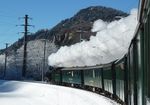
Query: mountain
(67, 32)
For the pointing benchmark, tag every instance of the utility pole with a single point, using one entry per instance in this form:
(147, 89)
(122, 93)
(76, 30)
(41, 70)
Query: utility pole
(43, 71)
(5, 60)
(16, 65)
(44, 53)
(26, 25)
(25, 46)
(80, 33)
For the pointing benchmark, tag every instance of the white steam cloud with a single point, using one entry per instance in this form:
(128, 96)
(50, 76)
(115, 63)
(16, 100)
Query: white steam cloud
(110, 43)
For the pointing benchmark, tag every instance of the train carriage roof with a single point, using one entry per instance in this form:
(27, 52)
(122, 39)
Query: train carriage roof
(88, 67)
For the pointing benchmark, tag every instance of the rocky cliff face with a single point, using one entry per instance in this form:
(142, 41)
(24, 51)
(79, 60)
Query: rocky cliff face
(68, 31)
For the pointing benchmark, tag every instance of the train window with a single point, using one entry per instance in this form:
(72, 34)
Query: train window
(147, 101)
(108, 79)
(93, 73)
(88, 77)
(120, 80)
(72, 74)
(97, 78)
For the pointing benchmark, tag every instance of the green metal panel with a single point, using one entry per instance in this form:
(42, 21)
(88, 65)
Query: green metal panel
(146, 59)
(147, 56)
(56, 76)
(129, 79)
(148, 37)
(131, 76)
(139, 68)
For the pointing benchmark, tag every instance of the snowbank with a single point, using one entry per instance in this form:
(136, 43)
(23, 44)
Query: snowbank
(110, 43)
(25, 93)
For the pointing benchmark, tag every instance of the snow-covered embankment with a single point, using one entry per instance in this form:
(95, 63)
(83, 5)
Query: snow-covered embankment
(25, 93)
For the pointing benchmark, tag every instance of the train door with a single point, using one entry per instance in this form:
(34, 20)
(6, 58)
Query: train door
(139, 67)
(132, 76)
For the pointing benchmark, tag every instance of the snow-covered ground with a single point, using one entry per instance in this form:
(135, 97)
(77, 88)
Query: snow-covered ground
(28, 93)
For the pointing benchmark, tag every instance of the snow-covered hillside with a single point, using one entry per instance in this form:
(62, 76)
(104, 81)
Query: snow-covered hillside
(35, 56)
(27, 93)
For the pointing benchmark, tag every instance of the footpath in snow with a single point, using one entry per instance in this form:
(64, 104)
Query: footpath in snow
(27, 93)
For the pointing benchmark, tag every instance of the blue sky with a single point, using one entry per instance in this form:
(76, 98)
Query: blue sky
(46, 13)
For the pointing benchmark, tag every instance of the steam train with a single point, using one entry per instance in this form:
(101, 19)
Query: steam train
(126, 80)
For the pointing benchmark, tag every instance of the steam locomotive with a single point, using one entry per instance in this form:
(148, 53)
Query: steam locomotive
(126, 80)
